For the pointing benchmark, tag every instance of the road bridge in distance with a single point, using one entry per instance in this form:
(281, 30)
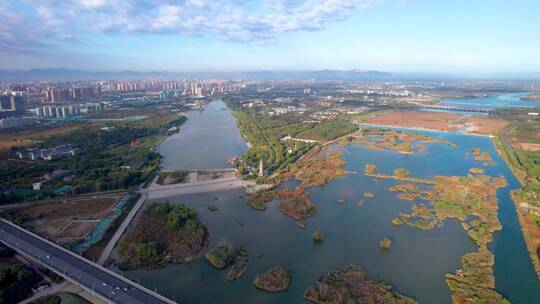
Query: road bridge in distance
(456, 109)
(96, 279)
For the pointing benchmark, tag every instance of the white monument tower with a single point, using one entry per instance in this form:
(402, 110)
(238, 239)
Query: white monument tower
(261, 168)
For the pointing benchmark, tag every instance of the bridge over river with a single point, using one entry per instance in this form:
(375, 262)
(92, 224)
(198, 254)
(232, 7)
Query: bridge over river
(96, 279)
(455, 109)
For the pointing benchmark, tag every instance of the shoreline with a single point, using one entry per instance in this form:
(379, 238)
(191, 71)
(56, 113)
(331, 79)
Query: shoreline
(521, 214)
(526, 238)
(504, 154)
(423, 129)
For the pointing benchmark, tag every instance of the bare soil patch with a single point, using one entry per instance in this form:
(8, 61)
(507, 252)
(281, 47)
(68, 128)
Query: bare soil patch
(51, 217)
(484, 125)
(439, 121)
(77, 230)
(206, 176)
(413, 119)
(529, 147)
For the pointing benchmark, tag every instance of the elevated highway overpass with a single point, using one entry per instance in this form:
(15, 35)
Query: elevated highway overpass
(96, 279)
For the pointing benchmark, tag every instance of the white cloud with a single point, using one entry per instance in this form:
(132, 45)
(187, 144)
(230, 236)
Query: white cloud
(235, 20)
(92, 3)
(44, 12)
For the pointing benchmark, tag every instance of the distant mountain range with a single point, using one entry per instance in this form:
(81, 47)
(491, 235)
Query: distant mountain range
(69, 74)
(320, 75)
(348, 75)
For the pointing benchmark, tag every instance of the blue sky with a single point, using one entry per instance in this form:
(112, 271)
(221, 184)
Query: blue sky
(458, 36)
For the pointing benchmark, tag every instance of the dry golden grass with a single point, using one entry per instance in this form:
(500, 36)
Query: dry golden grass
(529, 147)
(439, 121)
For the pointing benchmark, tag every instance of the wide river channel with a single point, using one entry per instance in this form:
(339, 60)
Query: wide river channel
(416, 263)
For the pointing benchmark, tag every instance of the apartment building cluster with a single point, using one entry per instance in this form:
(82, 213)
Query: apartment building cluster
(172, 88)
(59, 95)
(65, 111)
(47, 153)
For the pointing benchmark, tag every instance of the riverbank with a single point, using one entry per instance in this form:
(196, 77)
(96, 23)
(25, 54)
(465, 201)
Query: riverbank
(526, 200)
(528, 209)
(420, 129)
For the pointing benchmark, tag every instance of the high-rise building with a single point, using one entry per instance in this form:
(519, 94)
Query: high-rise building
(12, 102)
(82, 93)
(17, 103)
(52, 95)
(58, 95)
(5, 103)
(51, 112)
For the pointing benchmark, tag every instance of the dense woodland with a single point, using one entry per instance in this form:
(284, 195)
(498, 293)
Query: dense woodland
(118, 157)
(16, 279)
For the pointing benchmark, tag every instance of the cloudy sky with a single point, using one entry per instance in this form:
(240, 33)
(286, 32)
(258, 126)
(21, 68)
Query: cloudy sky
(458, 36)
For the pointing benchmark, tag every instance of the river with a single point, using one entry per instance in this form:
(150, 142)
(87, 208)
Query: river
(415, 265)
(500, 101)
(205, 141)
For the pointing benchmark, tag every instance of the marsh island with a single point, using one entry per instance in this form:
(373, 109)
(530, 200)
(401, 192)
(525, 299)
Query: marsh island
(275, 279)
(163, 233)
(351, 285)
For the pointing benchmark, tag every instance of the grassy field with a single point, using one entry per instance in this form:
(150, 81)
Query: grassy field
(525, 138)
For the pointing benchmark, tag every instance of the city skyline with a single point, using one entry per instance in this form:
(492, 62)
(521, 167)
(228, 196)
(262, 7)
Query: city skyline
(471, 39)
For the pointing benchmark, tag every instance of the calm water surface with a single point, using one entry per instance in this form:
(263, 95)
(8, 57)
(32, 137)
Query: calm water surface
(492, 102)
(415, 265)
(205, 141)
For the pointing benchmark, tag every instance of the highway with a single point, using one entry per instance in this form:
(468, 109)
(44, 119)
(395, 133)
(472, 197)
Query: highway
(102, 282)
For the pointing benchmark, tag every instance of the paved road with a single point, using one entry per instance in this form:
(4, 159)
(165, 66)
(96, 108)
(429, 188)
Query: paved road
(112, 242)
(54, 288)
(96, 279)
(508, 144)
(221, 184)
